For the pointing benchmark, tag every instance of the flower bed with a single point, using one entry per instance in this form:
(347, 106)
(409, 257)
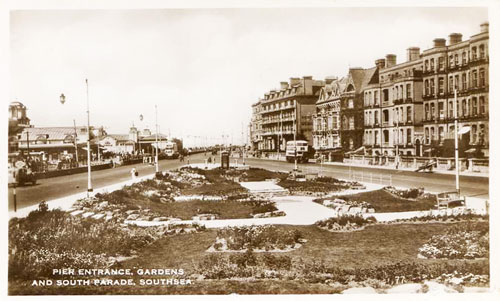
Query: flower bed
(272, 266)
(155, 199)
(55, 239)
(257, 238)
(383, 201)
(465, 241)
(345, 223)
(430, 218)
(317, 186)
(346, 207)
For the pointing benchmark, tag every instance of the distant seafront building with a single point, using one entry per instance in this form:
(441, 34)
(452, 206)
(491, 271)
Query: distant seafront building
(393, 107)
(281, 113)
(405, 109)
(462, 65)
(18, 120)
(338, 122)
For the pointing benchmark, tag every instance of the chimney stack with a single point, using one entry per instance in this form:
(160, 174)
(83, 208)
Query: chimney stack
(455, 38)
(284, 85)
(439, 42)
(330, 79)
(485, 27)
(390, 60)
(294, 81)
(380, 63)
(412, 53)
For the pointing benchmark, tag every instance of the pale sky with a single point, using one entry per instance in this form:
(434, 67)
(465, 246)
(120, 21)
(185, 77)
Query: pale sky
(202, 67)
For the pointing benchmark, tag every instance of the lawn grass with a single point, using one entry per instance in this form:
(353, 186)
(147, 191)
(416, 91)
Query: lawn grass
(318, 185)
(383, 201)
(375, 246)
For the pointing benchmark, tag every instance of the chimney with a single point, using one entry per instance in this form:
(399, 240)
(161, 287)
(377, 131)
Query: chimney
(330, 79)
(455, 38)
(439, 42)
(284, 85)
(294, 81)
(308, 81)
(390, 60)
(380, 63)
(485, 27)
(412, 53)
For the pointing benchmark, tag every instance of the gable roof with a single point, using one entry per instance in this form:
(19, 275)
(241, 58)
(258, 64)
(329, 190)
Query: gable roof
(54, 133)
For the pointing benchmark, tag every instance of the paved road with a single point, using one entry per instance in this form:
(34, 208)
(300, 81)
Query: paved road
(57, 187)
(53, 188)
(469, 185)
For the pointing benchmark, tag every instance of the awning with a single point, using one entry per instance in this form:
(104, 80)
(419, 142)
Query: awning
(471, 150)
(357, 151)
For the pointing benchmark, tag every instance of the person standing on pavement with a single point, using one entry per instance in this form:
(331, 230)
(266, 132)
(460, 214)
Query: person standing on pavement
(133, 173)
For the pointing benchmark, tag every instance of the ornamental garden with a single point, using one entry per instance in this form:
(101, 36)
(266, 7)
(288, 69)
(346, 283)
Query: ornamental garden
(228, 239)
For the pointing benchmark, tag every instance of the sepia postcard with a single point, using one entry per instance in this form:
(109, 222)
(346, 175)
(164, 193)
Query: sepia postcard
(229, 148)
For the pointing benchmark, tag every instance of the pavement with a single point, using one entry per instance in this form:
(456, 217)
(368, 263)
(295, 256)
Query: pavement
(435, 171)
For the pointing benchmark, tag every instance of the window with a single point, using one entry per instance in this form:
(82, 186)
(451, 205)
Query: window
(432, 86)
(433, 134)
(456, 59)
(450, 109)
(376, 117)
(450, 84)
(481, 134)
(408, 114)
(433, 111)
(426, 65)
(351, 143)
(441, 63)
(386, 95)
(350, 103)
(474, 53)
(408, 136)
(482, 81)
(441, 133)
(432, 65)
(351, 123)
(408, 91)
(441, 85)
(375, 97)
(427, 117)
(464, 81)
(427, 137)
(464, 58)
(456, 82)
(386, 116)
(386, 136)
(482, 107)
(473, 134)
(426, 87)
(464, 107)
(441, 110)
(474, 106)
(375, 140)
(474, 79)
(481, 51)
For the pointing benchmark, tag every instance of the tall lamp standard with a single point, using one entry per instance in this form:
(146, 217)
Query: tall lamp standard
(157, 146)
(62, 98)
(457, 167)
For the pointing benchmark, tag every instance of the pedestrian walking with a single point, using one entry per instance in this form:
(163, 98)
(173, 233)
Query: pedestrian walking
(134, 173)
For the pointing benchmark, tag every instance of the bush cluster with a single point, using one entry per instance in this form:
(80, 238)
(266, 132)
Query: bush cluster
(55, 239)
(267, 237)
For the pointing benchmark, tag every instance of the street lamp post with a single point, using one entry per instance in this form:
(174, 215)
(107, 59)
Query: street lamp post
(457, 167)
(156, 155)
(62, 99)
(89, 184)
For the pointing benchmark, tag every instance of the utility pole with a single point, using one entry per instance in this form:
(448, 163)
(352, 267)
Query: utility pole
(295, 142)
(76, 144)
(89, 186)
(457, 167)
(156, 157)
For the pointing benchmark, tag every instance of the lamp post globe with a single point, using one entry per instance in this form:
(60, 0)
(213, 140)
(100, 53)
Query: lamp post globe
(62, 98)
